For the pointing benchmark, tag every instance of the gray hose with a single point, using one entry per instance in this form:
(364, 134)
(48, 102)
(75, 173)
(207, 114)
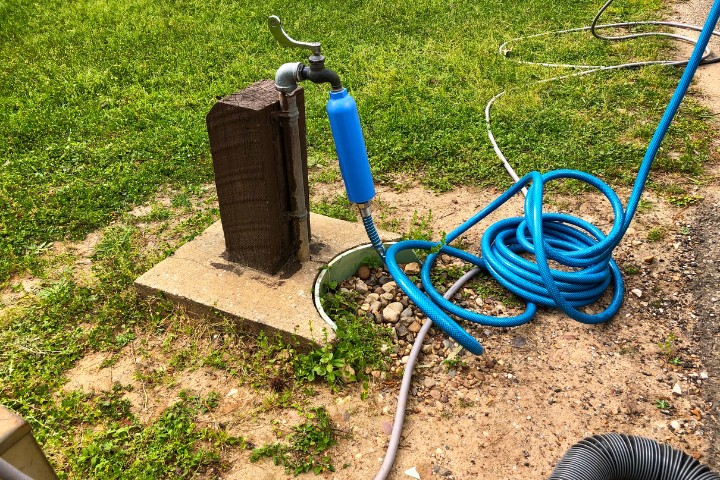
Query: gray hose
(389, 458)
(614, 456)
(10, 472)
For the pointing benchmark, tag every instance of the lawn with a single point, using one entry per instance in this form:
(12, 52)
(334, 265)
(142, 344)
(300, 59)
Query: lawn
(103, 103)
(102, 108)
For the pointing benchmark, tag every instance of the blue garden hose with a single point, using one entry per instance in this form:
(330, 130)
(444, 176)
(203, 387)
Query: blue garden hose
(572, 242)
(562, 238)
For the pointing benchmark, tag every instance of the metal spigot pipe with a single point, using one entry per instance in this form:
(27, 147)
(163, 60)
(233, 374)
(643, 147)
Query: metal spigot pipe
(288, 104)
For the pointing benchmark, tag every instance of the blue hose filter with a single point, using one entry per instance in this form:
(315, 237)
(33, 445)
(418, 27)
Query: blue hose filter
(350, 147)
(583, 249)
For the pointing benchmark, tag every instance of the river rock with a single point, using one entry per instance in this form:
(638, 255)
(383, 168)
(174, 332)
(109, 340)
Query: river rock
(390, 287)
(412, 268)
(401, 330)
(363, 272)
(391, 313)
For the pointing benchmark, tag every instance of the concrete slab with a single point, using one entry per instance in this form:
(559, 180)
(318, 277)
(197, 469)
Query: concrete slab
(19, 448)
(199, 276)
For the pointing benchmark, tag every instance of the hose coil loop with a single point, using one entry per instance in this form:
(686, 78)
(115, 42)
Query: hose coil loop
(583, 249)
(567, 240)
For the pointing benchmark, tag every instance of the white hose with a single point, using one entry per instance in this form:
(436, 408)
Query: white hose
(708, 58)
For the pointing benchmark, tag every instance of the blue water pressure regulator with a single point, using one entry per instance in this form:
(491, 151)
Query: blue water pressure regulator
(350, 146)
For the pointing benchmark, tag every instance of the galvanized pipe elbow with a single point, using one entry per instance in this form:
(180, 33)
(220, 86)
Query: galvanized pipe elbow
(287, 76)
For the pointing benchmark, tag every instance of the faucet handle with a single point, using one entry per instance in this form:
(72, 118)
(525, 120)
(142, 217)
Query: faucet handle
(284, 39)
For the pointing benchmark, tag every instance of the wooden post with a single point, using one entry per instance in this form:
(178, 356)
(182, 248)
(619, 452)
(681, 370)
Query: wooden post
(253, 177)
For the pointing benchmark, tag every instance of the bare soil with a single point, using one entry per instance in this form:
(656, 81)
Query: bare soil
(654, 370)
(515, 411)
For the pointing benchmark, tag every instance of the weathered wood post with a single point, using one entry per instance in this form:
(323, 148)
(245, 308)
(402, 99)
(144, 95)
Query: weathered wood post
(251, 150)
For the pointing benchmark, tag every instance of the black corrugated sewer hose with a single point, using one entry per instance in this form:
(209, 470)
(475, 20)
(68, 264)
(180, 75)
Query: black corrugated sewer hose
(613, 456)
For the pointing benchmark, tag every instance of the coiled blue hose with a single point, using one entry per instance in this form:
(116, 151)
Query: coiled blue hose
(564, 239)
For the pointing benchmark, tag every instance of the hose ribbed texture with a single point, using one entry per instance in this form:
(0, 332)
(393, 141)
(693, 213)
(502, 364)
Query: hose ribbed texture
(614, 456)
(374, 236)
(583, 249)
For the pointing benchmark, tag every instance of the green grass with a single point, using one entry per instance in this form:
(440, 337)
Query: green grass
(171, 446)
(656, 234)
(359, 346)
(97, 435)
(336, 207)
(305, 447)
(101, 104)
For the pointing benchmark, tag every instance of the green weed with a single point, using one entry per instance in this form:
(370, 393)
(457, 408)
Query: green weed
(358, 346)
(338, 207)
(157, 213)
(420, 227)
(326, 175)
(173, 446)
(372, 261)
(645, 205)
(669, 350)
(305, 446)
(684, 200)
(181, 200)
(655, 234)
(447, 274)
(677, 361)
(454, 363)
(196, 224)
(631, 269)
(486, 287)
(217, 359)
(264, 361)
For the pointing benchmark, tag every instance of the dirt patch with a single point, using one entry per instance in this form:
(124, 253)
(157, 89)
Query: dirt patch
(152, 384)
(703, 249)
(540, 388)
(694, 12)
(652, 371)
(547, 384)
(703, 258)
(79, 254)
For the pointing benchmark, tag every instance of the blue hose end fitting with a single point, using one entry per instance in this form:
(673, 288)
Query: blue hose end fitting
(350, 147)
